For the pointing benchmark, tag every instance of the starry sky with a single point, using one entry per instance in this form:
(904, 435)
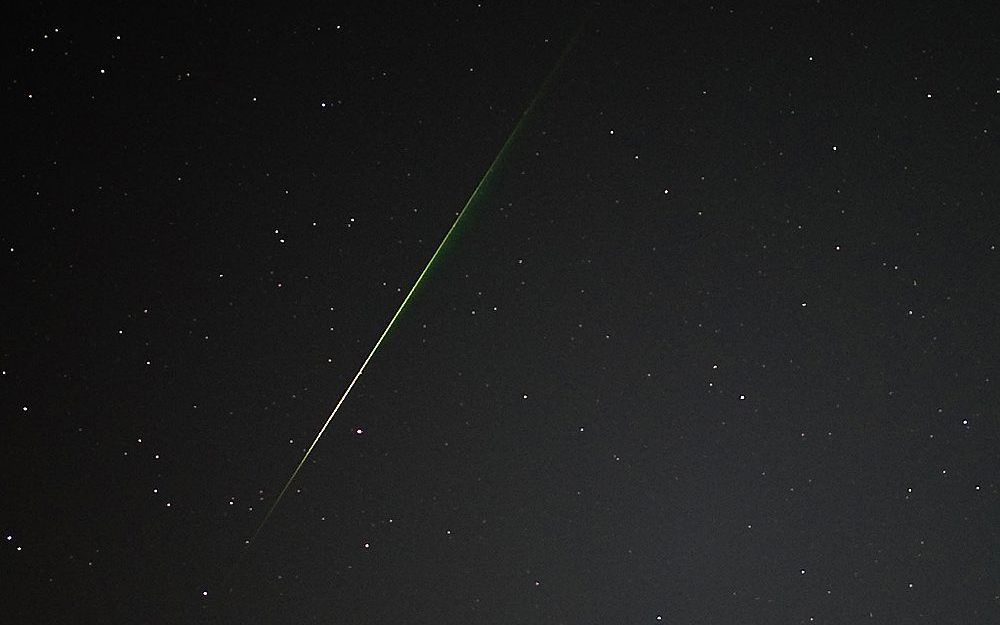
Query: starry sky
(715, 342)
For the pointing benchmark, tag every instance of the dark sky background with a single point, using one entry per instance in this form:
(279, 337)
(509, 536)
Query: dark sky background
(716, 343)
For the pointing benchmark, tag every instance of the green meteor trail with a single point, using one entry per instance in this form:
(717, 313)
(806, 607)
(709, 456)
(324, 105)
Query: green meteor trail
(475, 193)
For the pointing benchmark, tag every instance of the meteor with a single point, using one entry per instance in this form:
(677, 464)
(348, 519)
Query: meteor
(437, 252)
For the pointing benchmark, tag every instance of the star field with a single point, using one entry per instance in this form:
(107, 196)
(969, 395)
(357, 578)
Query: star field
(715, 342)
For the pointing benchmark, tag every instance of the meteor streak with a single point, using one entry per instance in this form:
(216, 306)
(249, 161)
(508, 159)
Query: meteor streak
(489, 172)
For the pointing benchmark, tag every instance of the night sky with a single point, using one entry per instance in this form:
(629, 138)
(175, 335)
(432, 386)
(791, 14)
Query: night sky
(716, 341)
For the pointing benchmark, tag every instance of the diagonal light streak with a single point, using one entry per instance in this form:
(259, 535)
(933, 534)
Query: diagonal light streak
(475, 193)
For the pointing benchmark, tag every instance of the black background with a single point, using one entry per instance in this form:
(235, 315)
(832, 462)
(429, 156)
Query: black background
(715, 343)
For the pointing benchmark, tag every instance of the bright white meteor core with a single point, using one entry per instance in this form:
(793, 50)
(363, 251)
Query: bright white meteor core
(416, 283)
